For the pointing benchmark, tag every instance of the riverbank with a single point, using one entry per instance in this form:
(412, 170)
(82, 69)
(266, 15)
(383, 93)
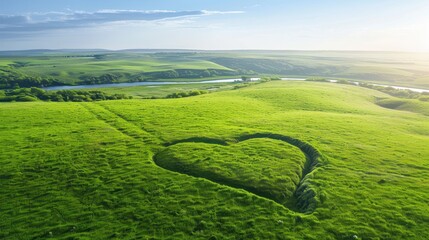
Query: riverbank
(228, 80)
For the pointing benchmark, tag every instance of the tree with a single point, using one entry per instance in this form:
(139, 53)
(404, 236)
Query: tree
(245, 79)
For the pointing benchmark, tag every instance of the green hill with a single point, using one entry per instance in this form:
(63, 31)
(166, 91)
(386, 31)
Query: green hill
(48, 67)
(277, 160)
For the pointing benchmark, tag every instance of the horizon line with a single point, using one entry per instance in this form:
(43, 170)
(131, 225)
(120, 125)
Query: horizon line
(208, 50)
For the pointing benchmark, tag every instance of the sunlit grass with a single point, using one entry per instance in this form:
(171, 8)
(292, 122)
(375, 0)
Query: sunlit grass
(85, 170)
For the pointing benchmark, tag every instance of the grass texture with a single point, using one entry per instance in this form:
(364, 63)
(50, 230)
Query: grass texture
(221, 171)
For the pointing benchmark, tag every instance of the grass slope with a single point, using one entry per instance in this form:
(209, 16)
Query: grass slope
(394, 68)
(85, 170)
(74, 67)
(411, 105)
(161, 91)
(71, 68)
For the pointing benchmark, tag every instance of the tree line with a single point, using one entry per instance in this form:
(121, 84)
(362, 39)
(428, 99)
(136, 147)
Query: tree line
(36, 94)
(400, 93)
(183, 73)
(12, 79)
(187, 93)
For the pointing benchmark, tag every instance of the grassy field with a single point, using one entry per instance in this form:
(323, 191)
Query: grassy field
(277, 160)
(161, 91)
(394, 68)
(91, 67)
(72, 68)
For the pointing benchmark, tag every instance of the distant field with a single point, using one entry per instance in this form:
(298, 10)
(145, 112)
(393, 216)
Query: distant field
(277, 160)
(72, 69)
(391, 68)
(86, 67)
(161, 91)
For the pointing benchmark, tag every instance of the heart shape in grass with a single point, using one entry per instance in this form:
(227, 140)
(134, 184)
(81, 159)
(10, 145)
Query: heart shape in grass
(268, 165)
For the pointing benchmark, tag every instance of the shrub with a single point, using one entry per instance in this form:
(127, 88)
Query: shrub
(26, 99)
(186, 94)
(317, 79)
(424, 98)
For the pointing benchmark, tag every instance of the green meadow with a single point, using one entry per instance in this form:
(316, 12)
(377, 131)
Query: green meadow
(94, 67)
(161, 91)
(72, 68)
(275, 160)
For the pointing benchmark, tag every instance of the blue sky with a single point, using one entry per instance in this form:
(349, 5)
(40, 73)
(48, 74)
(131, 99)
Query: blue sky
(380, 25)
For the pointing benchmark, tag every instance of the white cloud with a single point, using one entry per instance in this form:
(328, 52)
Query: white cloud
(18, 25)
(207, 12)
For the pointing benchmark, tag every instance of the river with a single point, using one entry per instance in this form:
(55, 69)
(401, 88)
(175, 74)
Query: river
(133, 84)
(228, 80)
(419, 90)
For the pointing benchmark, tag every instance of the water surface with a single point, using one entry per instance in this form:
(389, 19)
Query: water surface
(228, 80)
